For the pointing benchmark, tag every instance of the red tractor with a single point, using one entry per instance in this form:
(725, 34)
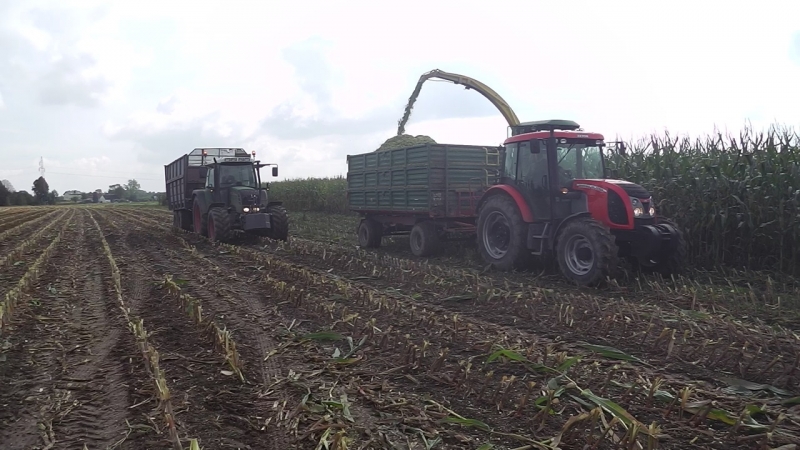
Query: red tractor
(554, 199)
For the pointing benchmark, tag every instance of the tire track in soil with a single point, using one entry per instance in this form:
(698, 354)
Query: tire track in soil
(67, 370)
(94, 376)
(246, 312)
(218, 409)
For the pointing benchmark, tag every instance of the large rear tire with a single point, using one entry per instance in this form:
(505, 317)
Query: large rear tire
(219, 225)
(424, 239)
(670, 259)
(587, 252)
(280, 223)
(200, 222)
(369, 233)
(502, 234)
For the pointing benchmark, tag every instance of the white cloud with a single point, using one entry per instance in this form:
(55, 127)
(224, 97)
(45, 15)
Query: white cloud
(119, 89)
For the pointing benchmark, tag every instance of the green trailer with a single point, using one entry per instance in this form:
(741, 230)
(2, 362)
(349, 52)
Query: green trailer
(429, 192)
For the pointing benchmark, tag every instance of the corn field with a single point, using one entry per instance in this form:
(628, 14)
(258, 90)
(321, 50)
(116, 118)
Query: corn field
(736, 197)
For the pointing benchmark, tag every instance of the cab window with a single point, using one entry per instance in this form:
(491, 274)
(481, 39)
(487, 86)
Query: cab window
(210, 178)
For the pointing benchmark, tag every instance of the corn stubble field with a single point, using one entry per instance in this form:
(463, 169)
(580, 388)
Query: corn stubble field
(119, 331)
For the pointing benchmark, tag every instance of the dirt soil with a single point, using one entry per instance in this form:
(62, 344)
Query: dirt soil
(344, 349)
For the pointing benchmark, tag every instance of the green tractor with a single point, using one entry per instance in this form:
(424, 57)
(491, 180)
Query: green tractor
(216, 192)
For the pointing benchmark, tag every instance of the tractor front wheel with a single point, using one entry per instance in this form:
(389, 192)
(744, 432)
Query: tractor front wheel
(280, 222)
(586, 252)
(670, 257)
(502, 235)
(219, 225)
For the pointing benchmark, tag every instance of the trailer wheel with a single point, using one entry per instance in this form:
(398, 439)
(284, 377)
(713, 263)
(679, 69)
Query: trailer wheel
(280, 223)
(219, 225)
(586, 252)
(424, 239)
(670, 258)
(369, 233)
(200, 222)
(502, 239)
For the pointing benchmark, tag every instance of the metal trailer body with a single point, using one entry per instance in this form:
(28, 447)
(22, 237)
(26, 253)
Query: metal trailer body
(429, 191)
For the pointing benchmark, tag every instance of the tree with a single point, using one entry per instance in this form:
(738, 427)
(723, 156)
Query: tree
(41, 190)
(132, 188)
(5, 195)
(53, 197)
(117, 190)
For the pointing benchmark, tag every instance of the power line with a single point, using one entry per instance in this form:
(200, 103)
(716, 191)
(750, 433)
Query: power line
(100, 176)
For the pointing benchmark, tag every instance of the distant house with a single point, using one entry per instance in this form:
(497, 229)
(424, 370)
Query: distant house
(72, 195)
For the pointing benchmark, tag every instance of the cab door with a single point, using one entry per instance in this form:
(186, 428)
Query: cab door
(533, 178)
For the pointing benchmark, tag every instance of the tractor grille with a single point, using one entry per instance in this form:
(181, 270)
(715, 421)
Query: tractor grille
(249, 198)
(617, 211)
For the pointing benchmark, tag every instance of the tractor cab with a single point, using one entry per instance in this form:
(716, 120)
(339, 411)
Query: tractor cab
(544, 159)
(235, 180)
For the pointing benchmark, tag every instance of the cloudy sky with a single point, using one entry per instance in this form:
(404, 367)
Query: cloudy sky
(110, 90)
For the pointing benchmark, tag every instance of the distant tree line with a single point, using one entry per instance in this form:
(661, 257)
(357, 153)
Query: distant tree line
(42, 195)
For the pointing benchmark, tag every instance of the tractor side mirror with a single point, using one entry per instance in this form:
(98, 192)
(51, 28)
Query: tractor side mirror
(536, 146)
(275, 171)
(621, 148)
(203, 172)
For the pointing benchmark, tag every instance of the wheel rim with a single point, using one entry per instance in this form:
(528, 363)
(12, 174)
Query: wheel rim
(579, 255)
(416, 240)
(496, 235)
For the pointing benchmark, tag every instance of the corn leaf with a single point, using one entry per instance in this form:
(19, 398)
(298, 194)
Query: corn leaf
(614, 409)
(611, 352)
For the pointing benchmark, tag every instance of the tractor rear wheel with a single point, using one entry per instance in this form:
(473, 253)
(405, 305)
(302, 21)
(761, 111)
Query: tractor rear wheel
(586, 252)
(219, 225)
(424, 239)
(280, 223)
(369, 233)
(502, 234)
(670, 258)
(200, 222)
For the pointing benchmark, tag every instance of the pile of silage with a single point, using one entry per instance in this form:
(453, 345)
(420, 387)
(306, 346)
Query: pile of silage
(405, 140)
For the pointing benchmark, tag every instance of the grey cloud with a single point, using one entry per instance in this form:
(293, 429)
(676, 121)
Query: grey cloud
(437, 100)
(162, 146)
(28, 72)
(167, 106)
(63, 83)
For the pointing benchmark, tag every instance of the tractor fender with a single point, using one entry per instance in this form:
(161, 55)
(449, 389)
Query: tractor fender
(564, 222)
(504, 189)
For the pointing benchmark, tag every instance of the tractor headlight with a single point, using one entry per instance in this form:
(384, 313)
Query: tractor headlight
(652, 211)
(255, 209)
(637, 211)
(246, 209)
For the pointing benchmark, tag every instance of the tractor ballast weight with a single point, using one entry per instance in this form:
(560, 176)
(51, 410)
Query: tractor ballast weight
(216, 192)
